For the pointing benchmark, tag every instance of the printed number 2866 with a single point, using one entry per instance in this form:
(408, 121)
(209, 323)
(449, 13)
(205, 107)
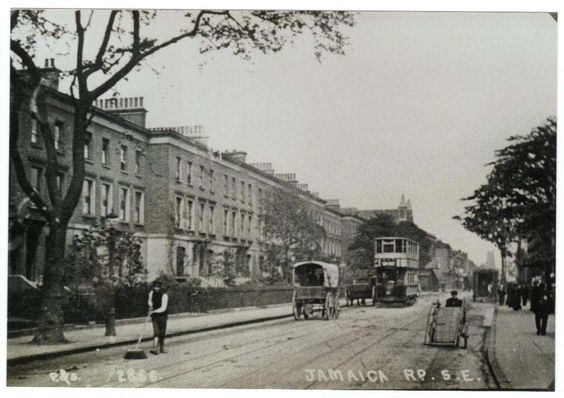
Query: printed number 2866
(136, 376)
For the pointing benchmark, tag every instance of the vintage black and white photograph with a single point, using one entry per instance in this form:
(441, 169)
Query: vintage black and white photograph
(279, 198)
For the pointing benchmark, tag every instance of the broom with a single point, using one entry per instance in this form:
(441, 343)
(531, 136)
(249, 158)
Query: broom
(137, 353)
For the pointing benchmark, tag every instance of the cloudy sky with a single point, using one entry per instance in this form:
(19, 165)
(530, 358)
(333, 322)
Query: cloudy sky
(417, 106)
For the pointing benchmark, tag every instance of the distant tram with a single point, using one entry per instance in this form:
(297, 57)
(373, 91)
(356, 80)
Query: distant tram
(396, 261)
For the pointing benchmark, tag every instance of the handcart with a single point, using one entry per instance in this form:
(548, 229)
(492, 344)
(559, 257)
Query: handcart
(446, 326)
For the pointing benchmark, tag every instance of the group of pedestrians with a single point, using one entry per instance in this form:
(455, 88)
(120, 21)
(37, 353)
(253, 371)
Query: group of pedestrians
(540, 296)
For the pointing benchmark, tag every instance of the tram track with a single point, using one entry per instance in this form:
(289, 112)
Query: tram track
(379, 341)
(312, 326)
(359, 336)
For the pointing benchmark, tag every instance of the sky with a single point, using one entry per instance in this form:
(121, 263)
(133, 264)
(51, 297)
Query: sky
(417, 105)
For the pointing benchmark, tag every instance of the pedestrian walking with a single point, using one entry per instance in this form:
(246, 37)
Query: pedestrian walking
(543, 308)
(524, 294)
(536, 291)
(158, 309)
(501, 294)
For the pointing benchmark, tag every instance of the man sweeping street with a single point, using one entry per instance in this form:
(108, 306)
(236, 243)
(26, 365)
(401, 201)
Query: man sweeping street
(158, 309)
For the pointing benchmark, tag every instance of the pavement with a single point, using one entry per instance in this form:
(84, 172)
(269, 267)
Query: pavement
(519, 358)
(21, 349)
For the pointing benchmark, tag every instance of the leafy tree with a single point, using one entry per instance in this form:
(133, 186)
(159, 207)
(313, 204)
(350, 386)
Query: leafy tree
(289, 231)
(362, 246)
(104, 257)
(125, 42)
(225, 267)
(519, 198)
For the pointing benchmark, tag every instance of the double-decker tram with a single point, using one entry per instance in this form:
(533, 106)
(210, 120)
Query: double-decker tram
(396, 261)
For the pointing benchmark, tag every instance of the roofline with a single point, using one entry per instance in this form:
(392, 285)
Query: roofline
(396, 237)
(150, 133)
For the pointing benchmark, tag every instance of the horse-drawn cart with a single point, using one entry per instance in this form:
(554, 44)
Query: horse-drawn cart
(360, 291)
(316, 289)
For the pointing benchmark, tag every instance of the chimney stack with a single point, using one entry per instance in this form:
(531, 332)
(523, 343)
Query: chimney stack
(332, 204)
(264, 166)
(51, 74)
(238, 156)
(194, 132)
(303, 187)
(129, 108)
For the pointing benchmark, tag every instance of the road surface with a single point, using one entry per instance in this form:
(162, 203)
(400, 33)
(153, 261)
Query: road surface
(366, 348)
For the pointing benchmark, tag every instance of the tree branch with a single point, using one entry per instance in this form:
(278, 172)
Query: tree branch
(15, 156)
(14, 19)
(38, 112)
(136, 33)
(26, 60)
(99, 61)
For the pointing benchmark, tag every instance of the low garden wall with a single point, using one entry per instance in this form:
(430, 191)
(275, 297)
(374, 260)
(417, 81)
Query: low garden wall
(131, 302)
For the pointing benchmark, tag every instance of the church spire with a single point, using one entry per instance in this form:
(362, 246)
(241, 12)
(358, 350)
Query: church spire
(402, 202)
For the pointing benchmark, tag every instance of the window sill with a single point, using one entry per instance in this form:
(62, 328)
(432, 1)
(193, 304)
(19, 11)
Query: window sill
(89, 161)
(124, 172)
(36, 145)
(106, 166)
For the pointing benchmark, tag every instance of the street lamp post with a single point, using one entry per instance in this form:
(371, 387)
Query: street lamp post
(111, 220)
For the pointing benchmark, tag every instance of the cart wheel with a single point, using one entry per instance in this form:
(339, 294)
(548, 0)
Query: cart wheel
(327, 313)
(337, 309)
(296, 308)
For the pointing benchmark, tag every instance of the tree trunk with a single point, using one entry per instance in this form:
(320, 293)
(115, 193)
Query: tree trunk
(50, 329)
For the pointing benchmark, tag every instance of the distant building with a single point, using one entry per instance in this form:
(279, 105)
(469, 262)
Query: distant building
(404, 212)
(490, 260)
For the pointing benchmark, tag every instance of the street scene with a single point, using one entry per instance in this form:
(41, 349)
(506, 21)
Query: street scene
(263, 199)
(366, 348)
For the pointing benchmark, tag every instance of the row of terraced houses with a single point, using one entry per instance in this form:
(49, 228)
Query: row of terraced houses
(186, 202)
